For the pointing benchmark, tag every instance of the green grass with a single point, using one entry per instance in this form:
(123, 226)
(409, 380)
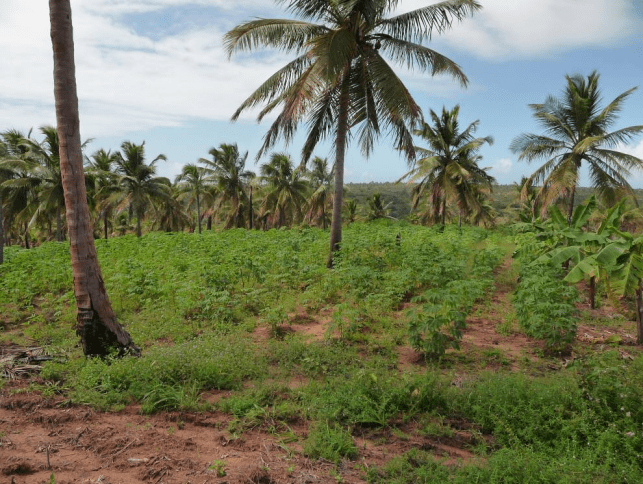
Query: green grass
(193, 302)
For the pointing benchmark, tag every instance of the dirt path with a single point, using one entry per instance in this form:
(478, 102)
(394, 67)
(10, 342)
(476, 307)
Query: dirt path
(491, 327)
(79, 445)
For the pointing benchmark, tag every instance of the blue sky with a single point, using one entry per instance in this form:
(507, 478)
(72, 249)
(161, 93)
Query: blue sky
(155, 70)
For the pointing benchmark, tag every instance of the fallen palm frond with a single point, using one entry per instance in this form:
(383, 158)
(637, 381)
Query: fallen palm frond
(18, 362)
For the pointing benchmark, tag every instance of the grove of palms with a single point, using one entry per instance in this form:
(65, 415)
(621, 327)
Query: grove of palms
(340, 82)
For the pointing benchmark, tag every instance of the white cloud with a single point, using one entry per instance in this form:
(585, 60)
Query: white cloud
(502, 167)
(636, 150)
(506, 29)
(127, 81)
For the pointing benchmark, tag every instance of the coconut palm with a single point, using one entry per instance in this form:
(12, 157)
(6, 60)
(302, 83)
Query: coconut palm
(576, 132)
(10, 151)
(192, 182)
(351, 210)
(103, 183)
(377, 208)
(340, 80)
(138, 186)
(17, 189)
(321, 180)
(226, 170)
(40, 170)
(448, 168)
(97, 325)
(171, 214)
(285, 190)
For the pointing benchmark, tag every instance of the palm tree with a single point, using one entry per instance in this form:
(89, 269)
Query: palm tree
(138, 186)
(285, 189)
(377, 208)
(449, 167)
(576, 132)
(11, 152)
(104, 184)
(19, 186)
(46, 173)
(97, 324)
(192, 182)
(351, 210)
(321, 180)
(340, 80)
(170, 215)
(226, 170)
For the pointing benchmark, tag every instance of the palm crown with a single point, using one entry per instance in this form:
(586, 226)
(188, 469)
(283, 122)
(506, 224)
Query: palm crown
(448, 167)
(576, 132)
(340, 80)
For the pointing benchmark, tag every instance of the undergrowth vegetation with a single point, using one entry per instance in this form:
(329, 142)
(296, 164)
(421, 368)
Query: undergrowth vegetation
(229, 310)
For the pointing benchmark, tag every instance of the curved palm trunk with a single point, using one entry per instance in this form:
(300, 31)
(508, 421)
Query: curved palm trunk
(96, 323)
(340, 149)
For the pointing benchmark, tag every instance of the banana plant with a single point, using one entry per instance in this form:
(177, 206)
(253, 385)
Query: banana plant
(623, 260)
(583, 248)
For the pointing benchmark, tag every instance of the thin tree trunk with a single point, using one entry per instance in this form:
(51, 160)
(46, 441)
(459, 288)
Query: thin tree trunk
(105, 223)
(139, 232)
(198, 210)
(27, 246)
(460, 219)
(570, 213)
(58, 225)
(209, 225)
(340, 150)
(639, 312)
(444, 212)
(592, 292)
(250, 215)
(97, 325)
(324, 217)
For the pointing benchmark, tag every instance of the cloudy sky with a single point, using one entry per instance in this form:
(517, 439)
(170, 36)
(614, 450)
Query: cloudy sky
(155, 71)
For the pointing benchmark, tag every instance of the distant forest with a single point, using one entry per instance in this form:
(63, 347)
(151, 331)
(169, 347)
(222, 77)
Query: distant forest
(504, 198)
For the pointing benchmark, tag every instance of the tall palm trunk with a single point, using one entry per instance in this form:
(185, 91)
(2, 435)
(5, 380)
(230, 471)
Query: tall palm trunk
(97, 325)
(105, 223)
(27, 245)
(340, 150)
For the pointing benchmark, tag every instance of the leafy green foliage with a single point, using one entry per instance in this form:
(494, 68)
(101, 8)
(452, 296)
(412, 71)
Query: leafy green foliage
(545, 306)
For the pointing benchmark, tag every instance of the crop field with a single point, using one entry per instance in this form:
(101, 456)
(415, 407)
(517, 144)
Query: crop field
(424, 356)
